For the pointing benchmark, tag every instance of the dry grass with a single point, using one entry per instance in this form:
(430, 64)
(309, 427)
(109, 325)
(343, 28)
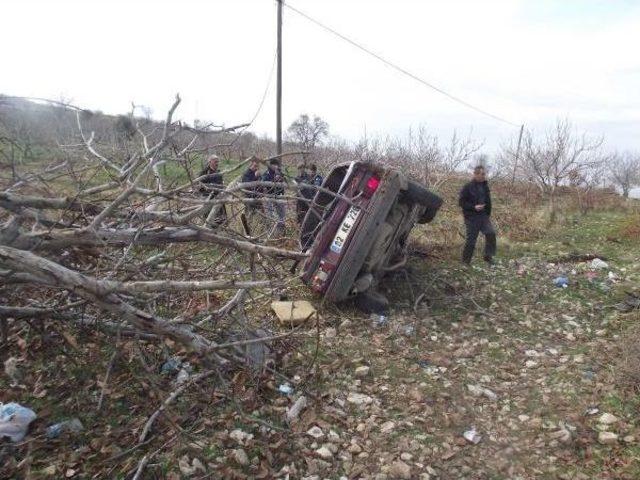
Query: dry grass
(628, 368)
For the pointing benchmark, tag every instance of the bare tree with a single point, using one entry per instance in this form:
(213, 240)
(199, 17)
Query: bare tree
(624, 171)
(553, 160)
(432, 162)
(308, 132)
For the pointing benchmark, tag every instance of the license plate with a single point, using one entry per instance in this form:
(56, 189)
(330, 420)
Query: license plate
(345, 227)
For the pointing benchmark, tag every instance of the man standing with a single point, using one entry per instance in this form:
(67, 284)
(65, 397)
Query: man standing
(211, 184)
(249, 176)
(304, 194)
(475, 201)
(316, 178)
(275, 206)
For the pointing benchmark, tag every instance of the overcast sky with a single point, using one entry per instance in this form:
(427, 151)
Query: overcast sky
(527, 61)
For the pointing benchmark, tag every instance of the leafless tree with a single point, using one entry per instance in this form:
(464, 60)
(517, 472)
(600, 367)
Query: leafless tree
(624, 171)
(430, 161)
(554, 159)
(308, 132)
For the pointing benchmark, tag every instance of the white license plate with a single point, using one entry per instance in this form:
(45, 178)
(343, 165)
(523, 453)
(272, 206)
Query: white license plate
(345, 227)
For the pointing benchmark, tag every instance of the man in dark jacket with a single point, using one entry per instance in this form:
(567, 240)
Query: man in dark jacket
(304, 194)
(211, 184)
(475, 201)
(316, 178)
(251, 193)
(276, 207)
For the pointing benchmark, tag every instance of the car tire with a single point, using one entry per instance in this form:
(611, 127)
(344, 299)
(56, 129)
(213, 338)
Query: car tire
(372, 302)
(416, 193)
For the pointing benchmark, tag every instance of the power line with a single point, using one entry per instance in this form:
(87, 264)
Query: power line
(261, 104)
(398, 68)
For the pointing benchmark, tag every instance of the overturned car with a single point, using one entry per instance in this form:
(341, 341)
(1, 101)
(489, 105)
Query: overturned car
(356, 230)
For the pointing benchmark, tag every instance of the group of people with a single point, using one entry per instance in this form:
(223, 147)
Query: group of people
(260, 195)
(474, 199)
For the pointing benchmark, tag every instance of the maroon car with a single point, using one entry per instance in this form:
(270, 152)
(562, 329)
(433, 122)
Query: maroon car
(356, 230)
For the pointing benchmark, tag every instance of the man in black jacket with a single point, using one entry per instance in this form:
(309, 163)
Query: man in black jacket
(251, 193)
(211, 184)
(276, 207)
(475, 201)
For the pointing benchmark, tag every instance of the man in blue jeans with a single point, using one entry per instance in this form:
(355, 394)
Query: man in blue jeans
(475, 201)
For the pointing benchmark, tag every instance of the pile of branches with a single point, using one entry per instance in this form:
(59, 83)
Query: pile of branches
(118, 236)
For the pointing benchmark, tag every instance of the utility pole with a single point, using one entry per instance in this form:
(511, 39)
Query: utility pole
(515, 163)
(279, 84)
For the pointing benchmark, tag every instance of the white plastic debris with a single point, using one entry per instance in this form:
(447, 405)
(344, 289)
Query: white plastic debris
(74, 426)
(598, 264)
(472, 436)
(15, 420)
(294, 412)
(285, 389)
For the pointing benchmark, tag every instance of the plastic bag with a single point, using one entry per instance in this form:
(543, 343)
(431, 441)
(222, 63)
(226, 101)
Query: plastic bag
(15, 420)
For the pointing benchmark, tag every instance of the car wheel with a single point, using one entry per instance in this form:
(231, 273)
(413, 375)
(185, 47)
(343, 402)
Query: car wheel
(372, 302)
(416, 193)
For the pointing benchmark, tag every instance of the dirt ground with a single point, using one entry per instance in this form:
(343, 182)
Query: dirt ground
(529, 367)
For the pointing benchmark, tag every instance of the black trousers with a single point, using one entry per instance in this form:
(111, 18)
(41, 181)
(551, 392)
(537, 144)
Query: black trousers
(476, 224)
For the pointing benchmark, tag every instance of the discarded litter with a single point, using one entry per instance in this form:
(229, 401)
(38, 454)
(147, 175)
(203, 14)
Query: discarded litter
(294, 313)
(285, 389)
(184, 373)
(598, 264)
(562, 282)
(171, 366)
(294, 412)
(15, 420)
(74, 426)
(379, 321)
(472, 436)
(408, 330)
(593, 410)
(424, 363)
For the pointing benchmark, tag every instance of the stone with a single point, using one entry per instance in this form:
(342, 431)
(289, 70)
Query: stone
(240, 436)
(362, 371)
(330, 333)
(629, 439)
(333, 437)
(324, 453)
(294, 313)
(607, 419)
(530, 364)
(355, 448)
(607, 438)
(406, 456)
(359, 398)
(387, 427)
(400, 470)
(315, 432)
(345, 324)
(241, 457)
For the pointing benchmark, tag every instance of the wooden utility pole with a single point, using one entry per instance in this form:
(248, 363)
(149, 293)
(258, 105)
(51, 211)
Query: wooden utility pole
(515, 163)
(279, 84)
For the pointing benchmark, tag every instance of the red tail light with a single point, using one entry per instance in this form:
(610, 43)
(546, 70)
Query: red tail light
(372, 185)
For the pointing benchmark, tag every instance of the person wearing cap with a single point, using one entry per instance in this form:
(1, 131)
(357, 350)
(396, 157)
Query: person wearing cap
(211, 184)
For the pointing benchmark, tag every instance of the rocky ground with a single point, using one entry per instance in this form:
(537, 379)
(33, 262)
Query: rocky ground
(476, 373)
(524, 369)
